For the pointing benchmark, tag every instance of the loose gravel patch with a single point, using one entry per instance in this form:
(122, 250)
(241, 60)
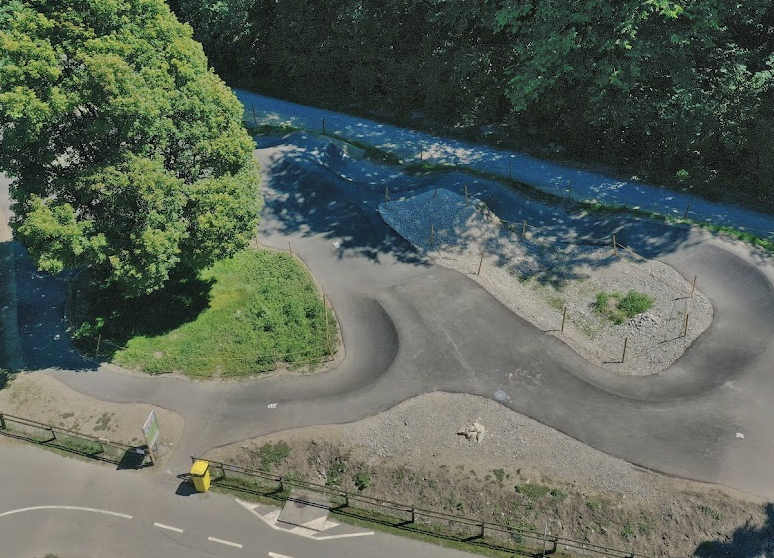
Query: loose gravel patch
(542, 280)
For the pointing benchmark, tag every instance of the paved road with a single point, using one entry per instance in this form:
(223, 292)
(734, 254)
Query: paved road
(545, 175)
(411, 327)
(84, 509)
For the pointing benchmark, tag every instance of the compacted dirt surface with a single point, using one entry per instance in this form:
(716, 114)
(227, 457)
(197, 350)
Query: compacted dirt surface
(520, 473)
(46, 400)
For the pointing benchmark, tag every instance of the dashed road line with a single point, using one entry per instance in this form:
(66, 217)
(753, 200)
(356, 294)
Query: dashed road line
(76, 508)
(167, 527)
(275, 555)
(227, 543)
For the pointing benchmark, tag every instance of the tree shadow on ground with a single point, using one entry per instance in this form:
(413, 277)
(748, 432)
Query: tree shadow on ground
(181, 301)
(748, 541)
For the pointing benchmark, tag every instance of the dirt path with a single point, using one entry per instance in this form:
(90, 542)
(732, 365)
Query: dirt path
(42, 398)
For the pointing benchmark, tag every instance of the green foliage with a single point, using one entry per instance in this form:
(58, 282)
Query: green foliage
(238, 317)
(532, 491)
(271, 455)
(127, 153)
(634, 303)
(558, 494)
(618, 308)
(334, 472)
(628, 529)
(593, 505)
(499, 474)
(659, 85)
(362, 480)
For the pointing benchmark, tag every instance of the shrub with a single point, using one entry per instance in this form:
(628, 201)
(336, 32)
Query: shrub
(532, 491)
(635, 303)
(362, 480)
(270, 455)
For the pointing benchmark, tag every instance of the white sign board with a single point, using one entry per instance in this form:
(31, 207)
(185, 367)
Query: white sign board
(151, 430)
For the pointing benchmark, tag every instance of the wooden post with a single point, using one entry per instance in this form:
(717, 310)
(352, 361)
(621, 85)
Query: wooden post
(483, 526)
(323, 122)
(626, 342)
(327, 334)
(524, 229)
(2, 422)
(432, 234)
(290, 248)
(564, 318)
(569, 192)
(615, 246)
(99, 339)
(421, 153)
(693, 287)
(413, 515)
(545, 535)
(466, 193)
(223, 471)
(53, 434)
(436, 193)
(510, 166)
(685, 326)
(481, 262)
(386, 194)
(255, 120)
(687, 209)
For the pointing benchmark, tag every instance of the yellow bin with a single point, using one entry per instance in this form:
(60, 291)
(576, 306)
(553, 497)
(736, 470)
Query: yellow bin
(200, 473)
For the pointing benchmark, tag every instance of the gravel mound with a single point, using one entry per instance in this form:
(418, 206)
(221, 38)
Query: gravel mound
(541, 279)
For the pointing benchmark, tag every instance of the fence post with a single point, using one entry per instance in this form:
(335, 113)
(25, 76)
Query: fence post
(564, 318)
(693, 287)
(290, 248)
(323, 122)
(223, 470)
(626, 342)
(2, 422)
(99, 339)
(436, 193)
(481, 262)
(615, 246)
(432, 234)
(569, 192)
(687, 209)
(346, 499)
(483, 527)
(255, 120)
(510, 166)
(413, 515)
(466, 193)
(421, 153)
(53, 434)
(386, 195)
(524, 230)
(545, 534)
(685, 326)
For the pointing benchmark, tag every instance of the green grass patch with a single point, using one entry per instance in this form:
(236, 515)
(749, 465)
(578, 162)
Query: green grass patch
(272, 454)
(532, 491)
(618, 308)
(239, 317)
(270, 129)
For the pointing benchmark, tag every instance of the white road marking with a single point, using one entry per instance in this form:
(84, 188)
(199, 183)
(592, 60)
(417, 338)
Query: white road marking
(227, 543)
(272, 405)
(77, 508)
(167, 527)
(740, 435)
(275, 555)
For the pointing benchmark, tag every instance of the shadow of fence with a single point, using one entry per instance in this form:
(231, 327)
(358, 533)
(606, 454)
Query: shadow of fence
(100, 449)
(516, 541)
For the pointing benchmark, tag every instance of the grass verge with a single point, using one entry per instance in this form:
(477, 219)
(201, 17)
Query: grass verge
(239, 317)
(618, 308)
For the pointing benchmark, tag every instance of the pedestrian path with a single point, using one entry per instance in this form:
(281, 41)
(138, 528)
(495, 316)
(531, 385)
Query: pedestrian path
(544, 175)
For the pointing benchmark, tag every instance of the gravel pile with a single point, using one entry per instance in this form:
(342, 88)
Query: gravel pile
(538, 278)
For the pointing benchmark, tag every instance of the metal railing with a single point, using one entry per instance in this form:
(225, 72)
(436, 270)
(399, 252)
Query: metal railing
(411, 518)
(93, 447)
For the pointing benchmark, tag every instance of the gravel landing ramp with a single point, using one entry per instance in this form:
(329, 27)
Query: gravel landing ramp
(537, 278)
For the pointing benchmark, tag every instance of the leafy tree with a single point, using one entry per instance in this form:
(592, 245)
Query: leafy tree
(127, 152)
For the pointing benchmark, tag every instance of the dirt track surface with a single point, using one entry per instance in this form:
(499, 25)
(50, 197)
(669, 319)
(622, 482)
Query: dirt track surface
(411, 327)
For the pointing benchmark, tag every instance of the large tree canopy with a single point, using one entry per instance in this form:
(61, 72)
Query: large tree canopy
(127, 152)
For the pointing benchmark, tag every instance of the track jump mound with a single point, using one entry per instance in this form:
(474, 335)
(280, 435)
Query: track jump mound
(628, 314)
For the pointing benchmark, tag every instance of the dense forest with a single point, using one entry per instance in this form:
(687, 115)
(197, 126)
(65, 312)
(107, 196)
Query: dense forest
(675, 91)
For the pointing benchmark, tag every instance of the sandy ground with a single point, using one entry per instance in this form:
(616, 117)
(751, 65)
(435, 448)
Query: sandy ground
(41, 398)
(542, 280)
(414, 454)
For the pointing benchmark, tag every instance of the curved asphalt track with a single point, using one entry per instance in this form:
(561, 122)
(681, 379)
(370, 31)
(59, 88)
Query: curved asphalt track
(412, 327)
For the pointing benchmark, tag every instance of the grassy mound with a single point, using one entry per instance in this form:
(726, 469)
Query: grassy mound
(240, 317)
